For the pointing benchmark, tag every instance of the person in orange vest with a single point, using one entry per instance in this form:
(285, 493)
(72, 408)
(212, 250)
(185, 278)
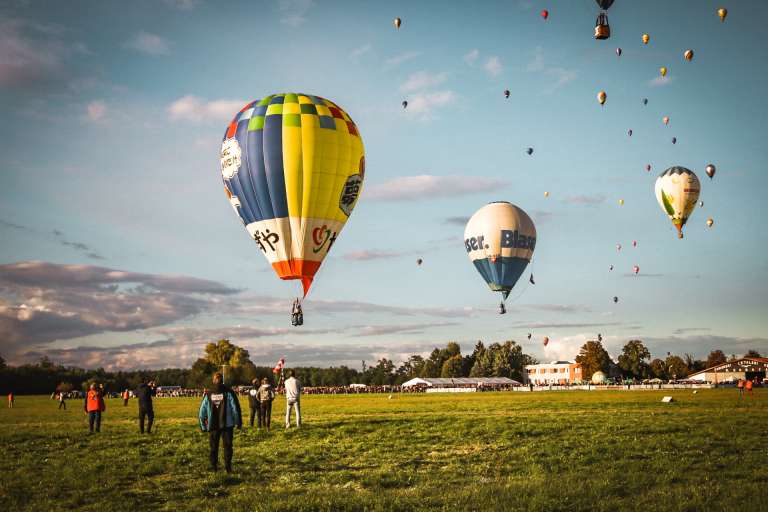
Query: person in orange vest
(740, 385)
(94, 406)
(748, 387)
(126, 396)
(10, 400)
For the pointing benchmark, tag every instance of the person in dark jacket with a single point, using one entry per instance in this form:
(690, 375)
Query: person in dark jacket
(144, 394)
(94, 406)
(219, 414)
(253, 400)
(265, 395)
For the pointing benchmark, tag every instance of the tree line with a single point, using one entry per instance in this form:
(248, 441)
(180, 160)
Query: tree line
(505, 359)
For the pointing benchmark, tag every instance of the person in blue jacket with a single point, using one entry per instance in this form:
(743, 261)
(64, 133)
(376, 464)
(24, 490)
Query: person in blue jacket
(219, 415)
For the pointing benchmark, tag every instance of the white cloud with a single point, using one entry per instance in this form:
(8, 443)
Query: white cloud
(661, 81)
(423, 80)
(585, 199)
(196, 109)
(412, 188)
(422, 105)
(366, 255)
(493, 65)
(472, 56)
(150, 44)
(399, 59)
(561, 75)
(96, 110)
(183, 5)
(358, 52)
(293, 12)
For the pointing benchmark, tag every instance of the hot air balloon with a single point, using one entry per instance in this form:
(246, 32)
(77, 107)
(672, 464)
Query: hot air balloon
(701, 204)
(645, 101)
(404, 104)
(499, 240)
(618, 247)
(646, 38)
(688, 55)
(674, 140)
(506, 93)
(677, 191)
(621, 202)
(615, 300)
(618, 52)
(634, 243)
(599, 337)
(546, 194)
(419, 261)
(545, 14)
(294, 166)
(610, 268)
(648, 167)
(635, 269)
(546, 341)
(629, 132)
(722, 12)
(601, 97)
(602, 29)
(397, 22)
(710, 222)
(710, 170)
(663, 71)
(529, 151)
(529, 336)
(665, 120)
(604, 4)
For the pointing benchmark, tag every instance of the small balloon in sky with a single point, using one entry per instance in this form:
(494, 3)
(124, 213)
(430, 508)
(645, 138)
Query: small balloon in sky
(701, 204)
(688, 55)
(663, 71)
(546, 340)
(634, 243)
(546, 194)
(648, 167)
(610, 268)
(636, 269)
(722, 13)
(618, 247)
(506, 93)
(629, 132)
(405, 104)
(665, 120)
(618, 52)
(710, 222)
(397, 22)
(677, 191)
(645, 101)
(674, 140)
(419, 261)
(710, 170)
(646, 38)
(621, 202)
(544, 14)
(601, 97)
(529, 151)
(615, 300)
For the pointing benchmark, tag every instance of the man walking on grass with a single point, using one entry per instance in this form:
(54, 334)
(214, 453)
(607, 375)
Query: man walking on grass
(219, 415)
(253, 400)
(94, 406)
(144, 394)
(62, 402)
(292, 399)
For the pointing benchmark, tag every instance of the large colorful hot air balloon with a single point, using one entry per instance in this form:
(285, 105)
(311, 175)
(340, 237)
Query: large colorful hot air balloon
(293, 168)
(601, 97)
(500, 239)
(677, 190)
(722, 12)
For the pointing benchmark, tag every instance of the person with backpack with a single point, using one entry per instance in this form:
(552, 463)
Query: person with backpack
(219, 414)
(253, 400)
(292, 399)
(266, 395)
(94, 406)
(144, 394)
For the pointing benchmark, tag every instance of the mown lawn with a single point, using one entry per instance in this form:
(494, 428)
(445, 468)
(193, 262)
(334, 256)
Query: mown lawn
(599, 450)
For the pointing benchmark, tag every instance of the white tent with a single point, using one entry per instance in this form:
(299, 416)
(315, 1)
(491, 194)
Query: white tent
(442, 382)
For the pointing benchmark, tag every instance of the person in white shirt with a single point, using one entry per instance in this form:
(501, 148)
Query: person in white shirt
(292, 399)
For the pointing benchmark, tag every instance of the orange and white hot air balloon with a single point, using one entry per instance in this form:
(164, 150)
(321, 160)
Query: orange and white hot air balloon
(601, 97)
(688, 55)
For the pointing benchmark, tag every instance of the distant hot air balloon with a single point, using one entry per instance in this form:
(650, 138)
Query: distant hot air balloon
(722, 12)
(635, 269)
(499, 240)
(601, 97)
(634, 243)
(506, 93)
(663, 71)
(618, 52)
(419, 261)
(267, 157)
(710, 170)
(397, 22)
(688, 55)
(710, 222)
(405, 104)
(604, 4)
(646, 38)
(621, 202)
(546, 193)
(677, 191)
(648, 167)
(545, 14)
(610, 268)
(665, 120)
(529, 151)
(529, 336)
(599, 337)
(674, 140)
(701, 204)
(645, 101)
(618, 247)
(546, 340)
(615, 300)
(629, 132)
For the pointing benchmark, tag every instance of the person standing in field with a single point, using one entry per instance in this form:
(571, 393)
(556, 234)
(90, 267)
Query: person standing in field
(62, 402)
(219, 414)
(126, 396)
(265, 395)
(144, 394)
(10, 400)
(253, 400)
(94, 406)
(748, 387)
(292, 399)
(740, 385)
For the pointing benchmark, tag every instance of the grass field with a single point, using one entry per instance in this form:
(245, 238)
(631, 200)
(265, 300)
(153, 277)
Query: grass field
(600, 450)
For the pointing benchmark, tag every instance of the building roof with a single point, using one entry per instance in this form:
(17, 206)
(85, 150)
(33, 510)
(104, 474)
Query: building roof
(743, 361)
(456, 381)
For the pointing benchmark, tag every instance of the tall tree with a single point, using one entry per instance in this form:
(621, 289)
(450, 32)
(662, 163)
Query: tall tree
(452, 367)
(633, 359)
(592, 358)
(410, 368)
(752, 353)
(676, 367)
(715, 358)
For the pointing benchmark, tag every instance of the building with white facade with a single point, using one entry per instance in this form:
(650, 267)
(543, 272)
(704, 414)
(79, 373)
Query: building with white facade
(556, 372)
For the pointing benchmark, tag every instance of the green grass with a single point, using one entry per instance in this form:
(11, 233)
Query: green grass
(601, 450)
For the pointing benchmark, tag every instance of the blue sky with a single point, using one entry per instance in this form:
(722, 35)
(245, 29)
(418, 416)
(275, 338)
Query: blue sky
(113, 115)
